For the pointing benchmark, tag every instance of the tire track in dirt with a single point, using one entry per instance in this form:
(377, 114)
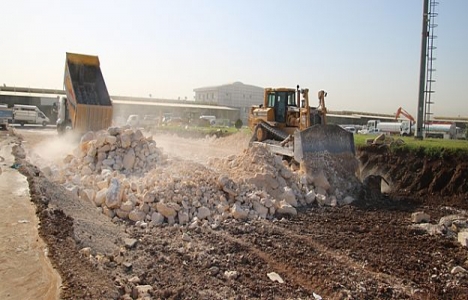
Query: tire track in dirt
(350, 263)
(286, 270)
(280, 259)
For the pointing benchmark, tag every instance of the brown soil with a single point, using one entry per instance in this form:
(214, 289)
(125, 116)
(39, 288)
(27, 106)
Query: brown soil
(362, 251)
(427, 180)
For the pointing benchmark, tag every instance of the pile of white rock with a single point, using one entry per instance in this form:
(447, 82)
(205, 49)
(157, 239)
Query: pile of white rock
(323, 178)
(127, 177)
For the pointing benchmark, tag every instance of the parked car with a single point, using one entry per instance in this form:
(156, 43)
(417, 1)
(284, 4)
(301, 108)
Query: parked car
(350, 129)
(210, 119)
(150, 121)
(133, 120)
(175, 121)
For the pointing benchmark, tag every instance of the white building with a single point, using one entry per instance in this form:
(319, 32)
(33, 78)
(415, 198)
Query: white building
(238, 95)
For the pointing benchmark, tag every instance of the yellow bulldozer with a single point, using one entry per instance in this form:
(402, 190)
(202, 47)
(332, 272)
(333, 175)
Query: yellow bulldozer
(289, 126)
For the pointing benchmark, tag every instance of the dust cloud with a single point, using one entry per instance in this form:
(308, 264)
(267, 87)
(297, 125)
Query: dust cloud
(201, 149)
(52, 149)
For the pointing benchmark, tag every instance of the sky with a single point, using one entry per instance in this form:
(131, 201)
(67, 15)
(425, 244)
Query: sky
(364, 53)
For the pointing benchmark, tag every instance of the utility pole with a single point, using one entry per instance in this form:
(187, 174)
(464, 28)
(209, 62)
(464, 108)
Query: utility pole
(422, 72)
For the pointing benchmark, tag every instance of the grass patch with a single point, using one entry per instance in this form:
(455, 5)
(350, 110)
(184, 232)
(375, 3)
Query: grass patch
(428, 147)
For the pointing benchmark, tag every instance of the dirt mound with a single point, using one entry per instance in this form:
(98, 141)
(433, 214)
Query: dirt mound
(329, 179)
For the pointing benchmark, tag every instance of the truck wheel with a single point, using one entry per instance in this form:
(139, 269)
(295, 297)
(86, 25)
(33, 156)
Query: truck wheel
(61, 128)
(44, 124)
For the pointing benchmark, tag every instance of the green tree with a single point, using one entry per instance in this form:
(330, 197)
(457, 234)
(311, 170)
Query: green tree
(238, 124)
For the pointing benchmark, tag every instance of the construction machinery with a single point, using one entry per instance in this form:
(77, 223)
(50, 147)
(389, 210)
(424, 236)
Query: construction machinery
(87, 106)
(289, 126)
(401, 111)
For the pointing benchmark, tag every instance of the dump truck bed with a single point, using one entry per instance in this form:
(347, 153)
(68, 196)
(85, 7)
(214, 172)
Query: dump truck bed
(89, 103)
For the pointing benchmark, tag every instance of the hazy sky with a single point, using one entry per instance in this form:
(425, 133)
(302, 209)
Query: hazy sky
(365, 53)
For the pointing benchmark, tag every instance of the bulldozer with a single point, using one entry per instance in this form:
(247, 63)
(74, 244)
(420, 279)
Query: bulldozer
(289, 126)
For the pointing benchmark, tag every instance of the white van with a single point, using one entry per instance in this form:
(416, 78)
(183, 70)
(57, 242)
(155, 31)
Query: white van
(29, 114)
(211, 119)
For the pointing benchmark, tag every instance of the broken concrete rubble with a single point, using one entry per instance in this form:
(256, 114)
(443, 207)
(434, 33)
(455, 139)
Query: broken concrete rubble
(419, 217)
(463, 238)
(453, 226)
(128, 177)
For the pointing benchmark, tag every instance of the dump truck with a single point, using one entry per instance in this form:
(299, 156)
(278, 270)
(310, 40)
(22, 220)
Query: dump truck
(289, 126)
(87, 105)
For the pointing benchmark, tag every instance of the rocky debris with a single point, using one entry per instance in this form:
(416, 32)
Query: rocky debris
(130, 243)
(419, 217)
(457, 270)
(384, 140)
(332, 176)
(275, 277)
(321, 173)
(457, 222)
(463, 238)
(432, 229)
(452, 226)
(85, 252)
(142, 292)
(231, 274)
(117, 149)
(127, 177)
(18, 152)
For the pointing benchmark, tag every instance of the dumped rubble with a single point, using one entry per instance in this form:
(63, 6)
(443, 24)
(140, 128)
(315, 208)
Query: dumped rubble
(453, 225)
(128, 177)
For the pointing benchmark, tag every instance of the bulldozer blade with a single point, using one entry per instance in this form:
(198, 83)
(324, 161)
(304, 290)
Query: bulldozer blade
(320, 138)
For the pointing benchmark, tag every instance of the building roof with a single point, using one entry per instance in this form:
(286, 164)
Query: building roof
(374, 117)
(343, 116)
(236, 83)
(168, 104)
(27, 94)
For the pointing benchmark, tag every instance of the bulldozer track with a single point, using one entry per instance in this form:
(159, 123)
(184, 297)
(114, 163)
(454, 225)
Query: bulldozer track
(277, 134)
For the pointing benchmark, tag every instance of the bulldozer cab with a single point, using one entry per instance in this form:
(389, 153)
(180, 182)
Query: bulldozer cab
(279, 101)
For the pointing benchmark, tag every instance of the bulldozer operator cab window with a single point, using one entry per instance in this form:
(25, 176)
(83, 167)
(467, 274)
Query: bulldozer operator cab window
(275, 97)
(292, 99)
(279, 101)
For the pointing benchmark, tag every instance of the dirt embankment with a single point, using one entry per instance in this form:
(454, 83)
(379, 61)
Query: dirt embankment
(417, 176)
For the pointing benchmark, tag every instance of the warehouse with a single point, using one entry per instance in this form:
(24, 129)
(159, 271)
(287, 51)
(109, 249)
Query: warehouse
(239, 95)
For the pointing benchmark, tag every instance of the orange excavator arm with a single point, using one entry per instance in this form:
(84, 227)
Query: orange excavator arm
(403, 112)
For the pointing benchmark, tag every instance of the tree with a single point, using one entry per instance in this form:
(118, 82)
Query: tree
(238, 124)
